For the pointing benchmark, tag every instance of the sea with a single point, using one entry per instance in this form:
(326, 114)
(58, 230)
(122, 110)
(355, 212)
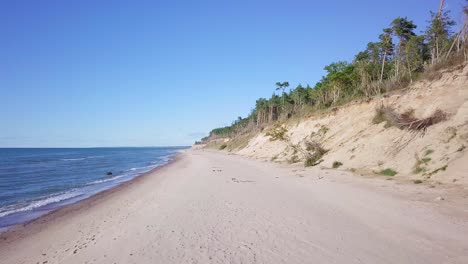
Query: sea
(36, 181)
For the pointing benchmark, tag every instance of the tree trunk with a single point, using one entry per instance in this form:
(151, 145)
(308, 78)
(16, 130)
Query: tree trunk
(441, 6)
(455, 40)
(383, 66)
(409, 70)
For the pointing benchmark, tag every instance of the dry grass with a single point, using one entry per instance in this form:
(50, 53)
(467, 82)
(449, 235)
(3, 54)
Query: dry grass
(294, 159)
(407, 120)
(421, 164)
(452, 63)
(314, 154)
(278, 132)
(240, 142)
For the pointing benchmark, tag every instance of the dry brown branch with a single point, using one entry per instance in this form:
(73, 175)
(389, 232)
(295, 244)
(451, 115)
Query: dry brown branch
(407, 120)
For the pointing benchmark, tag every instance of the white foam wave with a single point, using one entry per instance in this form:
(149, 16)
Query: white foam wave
(144, 168)
(39, 203)
(75, 159)
(106, 180)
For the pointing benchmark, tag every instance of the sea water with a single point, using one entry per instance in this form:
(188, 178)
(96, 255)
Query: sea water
(35, 181)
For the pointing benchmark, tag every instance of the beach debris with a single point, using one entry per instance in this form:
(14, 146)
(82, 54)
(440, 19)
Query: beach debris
(240, 181)
(440, 198)
(109, 173)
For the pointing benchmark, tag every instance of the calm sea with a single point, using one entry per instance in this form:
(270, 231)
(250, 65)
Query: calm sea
(36, 181)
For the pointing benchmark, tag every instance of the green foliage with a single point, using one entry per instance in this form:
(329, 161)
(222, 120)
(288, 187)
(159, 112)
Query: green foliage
(337, 164)
(228, 131)
(415, 49)
(396, 57)
(403, 28)
(388, 172)
(438, 34)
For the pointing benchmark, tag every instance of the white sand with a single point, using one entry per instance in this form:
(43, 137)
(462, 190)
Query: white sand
(216, 208)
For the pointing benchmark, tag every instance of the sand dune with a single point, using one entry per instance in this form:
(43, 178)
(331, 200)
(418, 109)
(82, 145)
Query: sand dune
(214, 208)
(350, 136)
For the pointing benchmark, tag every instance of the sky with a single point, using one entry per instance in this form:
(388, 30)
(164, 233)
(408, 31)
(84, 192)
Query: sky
(95, 73)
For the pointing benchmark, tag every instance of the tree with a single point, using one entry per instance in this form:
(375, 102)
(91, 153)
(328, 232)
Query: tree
(339, 80)
(438, 34)
(414, 51)
(273, 105)
(366, 67)
(387, 46)
(461, 38)
(261, 110)
(282, 86)
(402, 28)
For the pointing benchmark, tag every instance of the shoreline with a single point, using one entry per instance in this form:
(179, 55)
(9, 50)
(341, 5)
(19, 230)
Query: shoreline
(20, 229)
(208, 207)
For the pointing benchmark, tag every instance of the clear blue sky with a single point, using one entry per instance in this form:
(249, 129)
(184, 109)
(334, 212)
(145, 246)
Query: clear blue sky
(145, 73)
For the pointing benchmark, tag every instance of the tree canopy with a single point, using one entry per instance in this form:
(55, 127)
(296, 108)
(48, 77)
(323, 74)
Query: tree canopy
(396, 58)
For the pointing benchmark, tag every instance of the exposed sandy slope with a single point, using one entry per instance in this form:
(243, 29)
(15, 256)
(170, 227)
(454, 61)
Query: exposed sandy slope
(352, 139)
(216, 208)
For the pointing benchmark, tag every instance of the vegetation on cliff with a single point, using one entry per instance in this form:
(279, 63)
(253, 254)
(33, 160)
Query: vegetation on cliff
(398, 57)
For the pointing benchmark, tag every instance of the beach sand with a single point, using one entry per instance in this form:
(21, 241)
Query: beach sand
(208, 207)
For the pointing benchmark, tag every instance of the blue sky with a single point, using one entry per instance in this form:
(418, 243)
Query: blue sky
(146, 73)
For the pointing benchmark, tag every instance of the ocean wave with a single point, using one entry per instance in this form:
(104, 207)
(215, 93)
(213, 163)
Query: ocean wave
(40, 203)
(84, 158)
(144, 168)
(106, 180)
(163, 160)
(73, 159)
(93, 157)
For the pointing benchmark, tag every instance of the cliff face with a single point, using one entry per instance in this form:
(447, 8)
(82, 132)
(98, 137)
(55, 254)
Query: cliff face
(350, 136)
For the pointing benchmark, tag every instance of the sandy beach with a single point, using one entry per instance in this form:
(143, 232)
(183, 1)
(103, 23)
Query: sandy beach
(208, 207)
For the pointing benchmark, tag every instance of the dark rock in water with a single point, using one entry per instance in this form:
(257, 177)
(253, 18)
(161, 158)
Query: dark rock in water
(109, 173)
